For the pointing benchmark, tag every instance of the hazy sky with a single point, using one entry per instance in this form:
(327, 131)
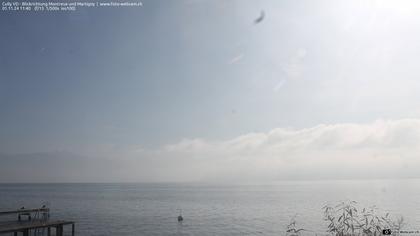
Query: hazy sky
(194, 91)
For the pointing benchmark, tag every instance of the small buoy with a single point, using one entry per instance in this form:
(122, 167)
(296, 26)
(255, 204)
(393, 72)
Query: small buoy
(180, 218)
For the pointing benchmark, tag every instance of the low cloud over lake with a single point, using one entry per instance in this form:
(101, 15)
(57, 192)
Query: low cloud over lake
(381, 149)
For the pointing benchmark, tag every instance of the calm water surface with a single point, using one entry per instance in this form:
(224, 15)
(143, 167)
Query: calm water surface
(151, 209)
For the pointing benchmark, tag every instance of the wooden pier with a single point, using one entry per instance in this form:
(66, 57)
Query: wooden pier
(37, 220)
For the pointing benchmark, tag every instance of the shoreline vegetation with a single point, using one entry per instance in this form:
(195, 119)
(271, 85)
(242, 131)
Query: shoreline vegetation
(348, 219)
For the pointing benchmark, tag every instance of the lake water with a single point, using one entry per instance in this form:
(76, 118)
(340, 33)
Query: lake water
(209, 209)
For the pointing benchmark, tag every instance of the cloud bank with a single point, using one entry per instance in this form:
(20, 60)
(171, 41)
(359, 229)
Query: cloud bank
(381, 149)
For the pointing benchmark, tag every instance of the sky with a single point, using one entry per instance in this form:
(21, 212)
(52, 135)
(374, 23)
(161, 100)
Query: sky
(193, 90)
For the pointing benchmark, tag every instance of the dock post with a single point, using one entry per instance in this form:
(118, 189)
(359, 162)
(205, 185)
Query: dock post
(25, 232)
(72, 229)
(14, 233)
(59, 230)
(49, 231)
